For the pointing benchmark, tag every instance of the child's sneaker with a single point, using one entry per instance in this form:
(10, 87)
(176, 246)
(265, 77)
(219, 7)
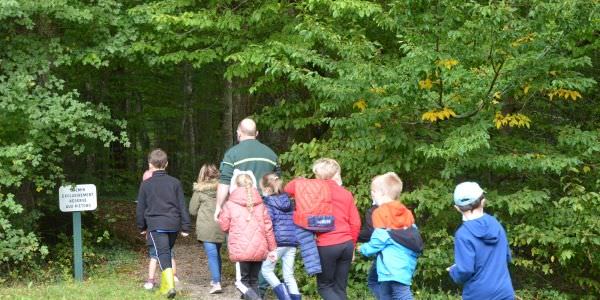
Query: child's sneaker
(149, 284)
(215, 288)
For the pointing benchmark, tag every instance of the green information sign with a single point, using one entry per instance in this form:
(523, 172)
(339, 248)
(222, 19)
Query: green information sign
(76, 199)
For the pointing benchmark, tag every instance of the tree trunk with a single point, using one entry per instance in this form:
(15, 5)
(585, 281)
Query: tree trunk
(88, 95)
(228, 115)
(143, 141)
(142, 144)
(129, 112)
(188, 92)
(238, 105)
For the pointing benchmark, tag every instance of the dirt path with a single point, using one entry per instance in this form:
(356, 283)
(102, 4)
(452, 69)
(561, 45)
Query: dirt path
(192, 265)
(193, 274)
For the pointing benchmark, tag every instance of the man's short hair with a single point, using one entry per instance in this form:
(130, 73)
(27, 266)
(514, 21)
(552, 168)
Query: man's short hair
(326, 168)
(389, 183)
(158, 158)
(247, 127)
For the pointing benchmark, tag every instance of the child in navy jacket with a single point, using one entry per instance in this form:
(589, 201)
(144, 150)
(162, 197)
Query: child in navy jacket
(481, 251)
(281, 211)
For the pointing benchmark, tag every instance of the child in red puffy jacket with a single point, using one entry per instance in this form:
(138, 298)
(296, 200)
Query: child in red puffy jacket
(251, 239)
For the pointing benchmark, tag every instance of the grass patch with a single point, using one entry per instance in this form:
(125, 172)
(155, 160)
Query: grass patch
(116, 287)
(115, 279)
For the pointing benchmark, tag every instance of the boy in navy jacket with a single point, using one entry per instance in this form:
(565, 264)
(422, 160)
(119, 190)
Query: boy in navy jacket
(481, 251)
(161, 214)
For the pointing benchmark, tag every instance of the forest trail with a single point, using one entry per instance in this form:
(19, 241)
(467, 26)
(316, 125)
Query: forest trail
(193, 274)
(191, 262)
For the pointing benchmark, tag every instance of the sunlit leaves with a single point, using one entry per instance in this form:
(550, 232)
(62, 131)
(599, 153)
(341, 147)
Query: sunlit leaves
(447, 63)
(425, 84)
(361, 104)
(564, 94)
(511, 120)
(523, 40)
(438, 115)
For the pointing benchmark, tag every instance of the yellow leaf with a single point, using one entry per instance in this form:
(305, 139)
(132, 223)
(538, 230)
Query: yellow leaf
(377, 90)
(586, 169)
(497, 95)
(526, 39)
(450, 112)
(39, 189)
(425, 84)
(447, 63)
(361, 105)
(434, 116)
(564, 93)
(378, 125)
(512, 120)
(526, 89)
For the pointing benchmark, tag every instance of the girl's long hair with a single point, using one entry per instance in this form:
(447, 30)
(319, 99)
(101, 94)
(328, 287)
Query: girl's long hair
(245, 181)
(208, 172)
(271, 184)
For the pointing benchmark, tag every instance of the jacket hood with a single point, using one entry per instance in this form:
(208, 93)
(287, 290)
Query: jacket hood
(280, 202)
(484, 229)
(239, 196)
(205, 185)
(392, 215)
(409, 238)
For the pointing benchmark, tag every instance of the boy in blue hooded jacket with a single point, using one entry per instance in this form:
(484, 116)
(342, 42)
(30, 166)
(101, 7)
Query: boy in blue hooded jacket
(481, 251)
(395, 241)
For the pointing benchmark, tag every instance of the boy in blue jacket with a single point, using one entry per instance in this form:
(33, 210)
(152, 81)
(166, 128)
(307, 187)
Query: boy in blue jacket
(395, 241)
(481, 251)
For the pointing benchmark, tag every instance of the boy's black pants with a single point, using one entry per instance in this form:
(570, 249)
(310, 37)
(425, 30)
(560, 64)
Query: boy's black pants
(249, 271)
(335, 265)
(163, 242)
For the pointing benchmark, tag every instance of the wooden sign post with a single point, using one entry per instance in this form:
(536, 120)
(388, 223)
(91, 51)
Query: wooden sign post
(76, 199)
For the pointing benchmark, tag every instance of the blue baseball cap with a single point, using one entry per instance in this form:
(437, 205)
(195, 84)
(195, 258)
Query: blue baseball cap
(467, 193)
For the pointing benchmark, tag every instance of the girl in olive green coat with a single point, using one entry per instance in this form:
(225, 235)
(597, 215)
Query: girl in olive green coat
(208, 232)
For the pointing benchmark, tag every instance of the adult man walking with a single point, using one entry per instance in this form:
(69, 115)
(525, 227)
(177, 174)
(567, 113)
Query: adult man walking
(248, 155)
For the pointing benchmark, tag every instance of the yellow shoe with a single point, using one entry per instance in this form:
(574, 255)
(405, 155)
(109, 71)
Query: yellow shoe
(167, 283)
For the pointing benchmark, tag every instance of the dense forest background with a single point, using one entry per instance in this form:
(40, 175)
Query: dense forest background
(440, 91)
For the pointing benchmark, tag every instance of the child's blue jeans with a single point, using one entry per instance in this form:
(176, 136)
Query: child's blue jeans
(213, 254)
(372, 281)
(286, 255)
(392, 290)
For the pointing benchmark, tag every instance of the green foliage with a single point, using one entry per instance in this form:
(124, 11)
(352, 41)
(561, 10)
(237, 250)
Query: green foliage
(43, 123)
(18, 249)
(443, 91)
(440, 91)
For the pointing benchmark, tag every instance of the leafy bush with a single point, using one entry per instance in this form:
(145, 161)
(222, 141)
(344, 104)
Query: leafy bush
(19, 250)
(417, 88)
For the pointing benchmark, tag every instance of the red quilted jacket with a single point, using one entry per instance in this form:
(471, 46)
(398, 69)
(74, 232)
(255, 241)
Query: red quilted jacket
(251, 235)
(314, 210)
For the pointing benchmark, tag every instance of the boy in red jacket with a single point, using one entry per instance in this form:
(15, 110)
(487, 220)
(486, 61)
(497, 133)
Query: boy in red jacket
(336, 247)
